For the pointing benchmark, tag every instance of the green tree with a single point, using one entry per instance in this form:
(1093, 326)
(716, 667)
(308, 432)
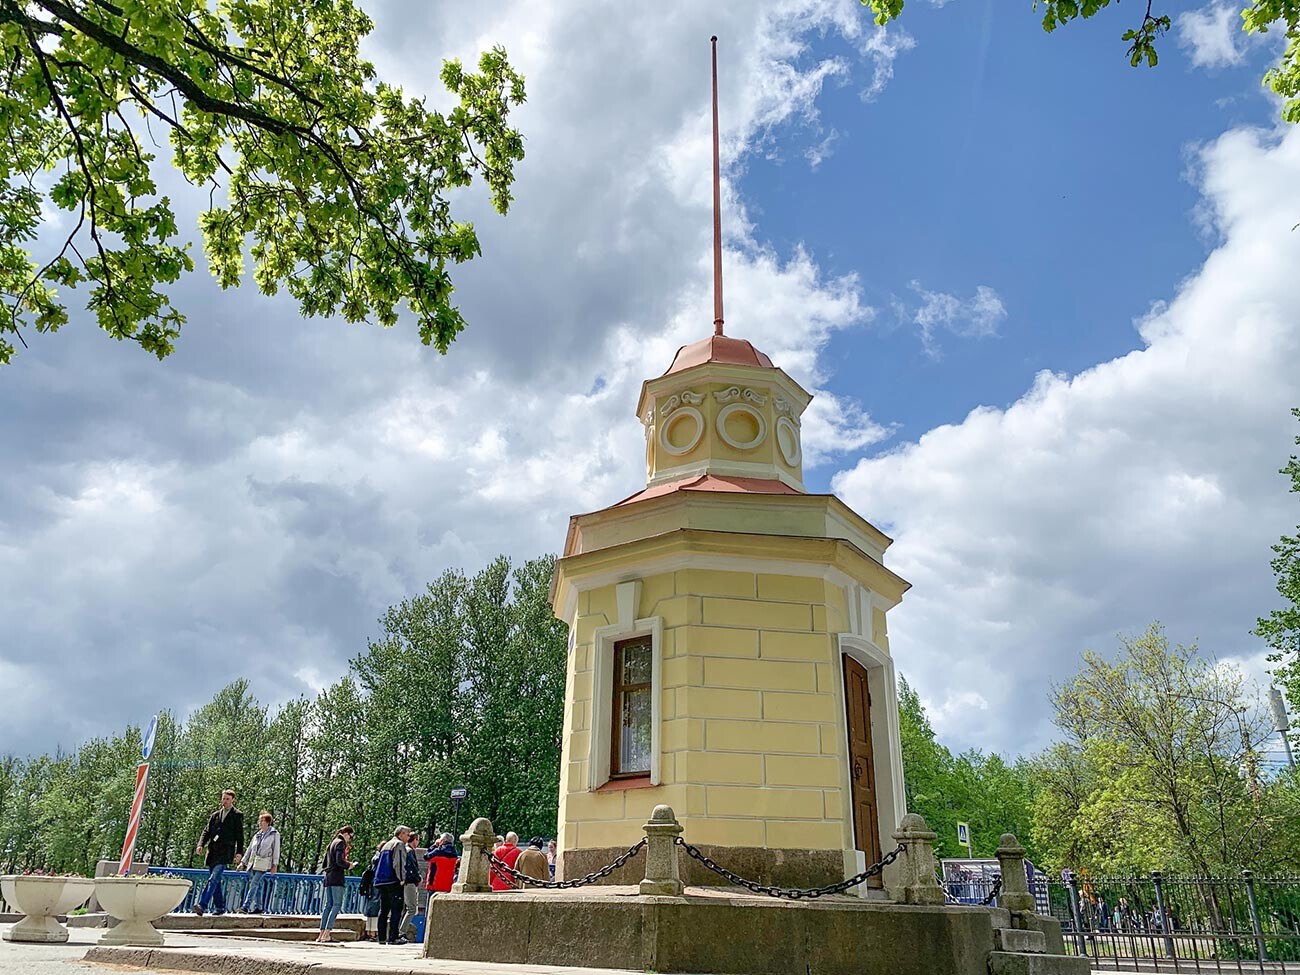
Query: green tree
(984, 791)
(1159, 767)
(1257, 17)
(334, 182)
(1281, 628)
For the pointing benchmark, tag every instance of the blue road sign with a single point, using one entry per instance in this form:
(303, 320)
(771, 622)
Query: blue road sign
(146, 746)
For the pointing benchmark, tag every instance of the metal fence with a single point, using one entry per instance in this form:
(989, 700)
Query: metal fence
(1181, 924)
(284, 893)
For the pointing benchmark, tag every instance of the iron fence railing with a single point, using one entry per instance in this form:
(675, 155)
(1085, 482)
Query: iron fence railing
(284, 893)
(1181, 924)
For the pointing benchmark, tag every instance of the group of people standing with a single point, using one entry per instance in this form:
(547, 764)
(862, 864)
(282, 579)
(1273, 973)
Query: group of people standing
(1123, 918)
(532, 860)
(395, 886)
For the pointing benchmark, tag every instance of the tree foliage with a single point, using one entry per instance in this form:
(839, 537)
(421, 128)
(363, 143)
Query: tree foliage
(984, 791)
(464, 685)
(333, 181)
(1281, 628)
(1160, 766)
(1257, 17)
(1157, 765)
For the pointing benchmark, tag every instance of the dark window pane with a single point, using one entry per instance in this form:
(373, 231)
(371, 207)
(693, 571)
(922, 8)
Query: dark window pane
(634, 737)
(636, 663)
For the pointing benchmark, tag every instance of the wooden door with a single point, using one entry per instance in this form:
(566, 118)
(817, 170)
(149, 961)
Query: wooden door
(862, 770)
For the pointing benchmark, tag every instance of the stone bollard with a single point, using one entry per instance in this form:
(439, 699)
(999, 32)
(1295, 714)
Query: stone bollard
(915, 882)
(661, 876)
(1015, 895)
(474, 867)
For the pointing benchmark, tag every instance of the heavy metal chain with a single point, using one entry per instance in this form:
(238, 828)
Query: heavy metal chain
(792, 893)
(506, 870)
(951, 898)
(993, 894)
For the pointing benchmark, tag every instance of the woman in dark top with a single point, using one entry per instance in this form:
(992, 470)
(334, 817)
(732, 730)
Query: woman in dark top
(336, 865)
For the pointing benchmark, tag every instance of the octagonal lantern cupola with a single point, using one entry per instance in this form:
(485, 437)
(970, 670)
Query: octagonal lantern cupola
(723, 409)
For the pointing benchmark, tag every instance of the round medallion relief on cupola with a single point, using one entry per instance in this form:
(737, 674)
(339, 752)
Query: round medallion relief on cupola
(787, 441)
(681, 431)
(743, 427)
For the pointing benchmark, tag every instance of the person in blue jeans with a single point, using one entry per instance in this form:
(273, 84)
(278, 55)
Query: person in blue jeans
(261, 860)
(336, 865)
(223, 838)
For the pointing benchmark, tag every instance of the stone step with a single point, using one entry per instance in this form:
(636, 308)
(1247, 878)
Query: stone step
(1016, 939)
(1027, 963)
(273, 934)
(1000, 917)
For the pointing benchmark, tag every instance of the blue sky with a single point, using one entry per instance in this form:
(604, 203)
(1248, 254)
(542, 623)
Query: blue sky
(1040, 165)
(1045, 302)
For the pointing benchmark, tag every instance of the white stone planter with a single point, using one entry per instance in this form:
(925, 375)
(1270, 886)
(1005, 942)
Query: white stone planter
(137, 902)
(42, 899)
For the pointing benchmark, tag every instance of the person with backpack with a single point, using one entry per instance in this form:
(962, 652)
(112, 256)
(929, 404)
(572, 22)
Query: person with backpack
(390, 878)
(442, 860)
(370, 899)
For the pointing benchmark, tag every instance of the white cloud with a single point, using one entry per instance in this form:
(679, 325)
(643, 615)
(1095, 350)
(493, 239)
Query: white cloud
(975, 317)
(250, 506)
(1210, 35)
(1142, 488)
(884, 48)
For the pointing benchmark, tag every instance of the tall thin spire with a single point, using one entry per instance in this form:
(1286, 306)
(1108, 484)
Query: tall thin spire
(717, 205)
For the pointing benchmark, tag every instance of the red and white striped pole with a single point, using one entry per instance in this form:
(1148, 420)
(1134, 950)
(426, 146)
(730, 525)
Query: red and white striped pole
(137, 803)
(133, 824)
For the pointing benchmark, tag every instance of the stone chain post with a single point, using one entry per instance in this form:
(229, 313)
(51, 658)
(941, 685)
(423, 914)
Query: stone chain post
(1015, 895)
(475, 870)
(661, 876)
(915, 879)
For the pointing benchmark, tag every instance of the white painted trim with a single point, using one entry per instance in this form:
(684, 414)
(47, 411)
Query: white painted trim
(886, 738)
(720, 424)
(795, 454)
(670, 421)
(626, 598)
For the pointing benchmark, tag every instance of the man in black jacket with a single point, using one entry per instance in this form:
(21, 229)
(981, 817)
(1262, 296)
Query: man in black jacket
(224, 839)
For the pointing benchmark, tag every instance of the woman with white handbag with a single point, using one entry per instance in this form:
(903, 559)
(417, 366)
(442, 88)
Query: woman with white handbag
(262, 857)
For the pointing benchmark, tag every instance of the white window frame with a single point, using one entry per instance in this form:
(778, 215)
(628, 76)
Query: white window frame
(627, 598)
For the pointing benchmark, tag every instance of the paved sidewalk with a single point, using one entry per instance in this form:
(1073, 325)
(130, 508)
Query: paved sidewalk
(64, 959)
(244, 956)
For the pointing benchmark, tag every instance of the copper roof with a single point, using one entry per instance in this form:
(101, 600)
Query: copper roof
(712, 482)
(718, 348)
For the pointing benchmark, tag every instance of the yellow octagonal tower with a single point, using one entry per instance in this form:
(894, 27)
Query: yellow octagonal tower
(728, 653)
(728, 647)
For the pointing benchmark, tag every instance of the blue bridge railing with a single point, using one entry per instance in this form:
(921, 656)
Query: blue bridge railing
(284, 893)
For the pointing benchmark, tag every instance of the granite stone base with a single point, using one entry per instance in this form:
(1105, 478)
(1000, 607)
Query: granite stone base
(712, 932)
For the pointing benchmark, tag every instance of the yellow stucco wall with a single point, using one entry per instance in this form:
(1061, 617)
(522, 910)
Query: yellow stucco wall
(751, 736)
